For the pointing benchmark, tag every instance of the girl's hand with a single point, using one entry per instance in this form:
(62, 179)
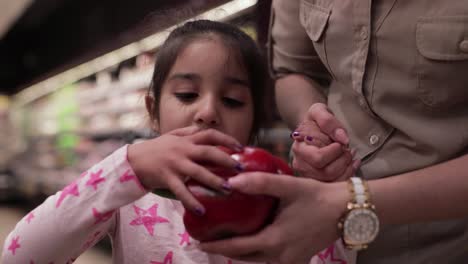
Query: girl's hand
(169, 160)
(306, 221)
(319, 151)
(319, 115)
(328, 164)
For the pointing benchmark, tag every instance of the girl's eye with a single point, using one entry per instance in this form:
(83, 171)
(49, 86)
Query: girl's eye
(186, 97)
(233, 103)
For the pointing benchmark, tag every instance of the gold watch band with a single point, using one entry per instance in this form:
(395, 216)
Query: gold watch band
(360, 223)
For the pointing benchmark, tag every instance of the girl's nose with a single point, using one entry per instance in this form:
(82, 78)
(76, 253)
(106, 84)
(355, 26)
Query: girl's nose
(207, 114)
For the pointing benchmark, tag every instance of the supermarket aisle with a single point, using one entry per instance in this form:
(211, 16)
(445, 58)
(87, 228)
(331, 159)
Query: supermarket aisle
(10, 214)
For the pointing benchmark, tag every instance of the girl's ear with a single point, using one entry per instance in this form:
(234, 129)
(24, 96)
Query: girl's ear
(154, 123)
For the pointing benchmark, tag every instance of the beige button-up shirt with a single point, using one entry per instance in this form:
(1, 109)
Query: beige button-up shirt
(396, 73)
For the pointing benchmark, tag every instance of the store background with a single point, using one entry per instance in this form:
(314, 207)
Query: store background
(73, 75)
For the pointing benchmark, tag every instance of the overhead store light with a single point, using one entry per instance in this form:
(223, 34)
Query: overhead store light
(40, 89)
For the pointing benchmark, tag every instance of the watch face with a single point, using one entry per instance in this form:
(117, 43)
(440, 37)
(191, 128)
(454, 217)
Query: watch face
(360, 226)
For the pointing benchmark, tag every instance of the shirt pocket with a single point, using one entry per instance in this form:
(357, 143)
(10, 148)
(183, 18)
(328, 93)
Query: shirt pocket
(442, 60)
(314, 18)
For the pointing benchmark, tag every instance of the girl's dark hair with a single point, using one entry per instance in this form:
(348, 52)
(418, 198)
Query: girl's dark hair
(246, 48)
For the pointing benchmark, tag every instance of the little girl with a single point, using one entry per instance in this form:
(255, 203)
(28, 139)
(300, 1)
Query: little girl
(207, 89)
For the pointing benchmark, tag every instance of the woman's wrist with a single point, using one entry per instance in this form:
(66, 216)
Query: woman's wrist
(336, 197)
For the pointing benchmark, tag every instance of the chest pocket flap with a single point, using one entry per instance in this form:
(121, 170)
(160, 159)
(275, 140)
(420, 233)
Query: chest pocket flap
(314, 19)
(443, 38)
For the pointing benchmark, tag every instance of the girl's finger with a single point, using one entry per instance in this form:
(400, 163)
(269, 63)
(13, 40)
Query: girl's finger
(312, 130)
(215, 137)
(185, 131)
(318, 157)
(315, 141)
(310, 139)
(203, 176)
(213, 155)
(180, 190)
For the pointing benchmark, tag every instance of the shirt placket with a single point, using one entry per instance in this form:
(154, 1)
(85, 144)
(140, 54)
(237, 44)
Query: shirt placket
(361, 41)
(378, 132)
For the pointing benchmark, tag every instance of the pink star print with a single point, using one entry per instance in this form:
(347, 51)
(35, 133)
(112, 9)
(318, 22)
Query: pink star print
(71, 189)
(185, 238)
(127, 176)
(101, 217)
(148, 218)
(167, 259)
(14, 245)
(29, 217)
(95, 179)
(329, 252)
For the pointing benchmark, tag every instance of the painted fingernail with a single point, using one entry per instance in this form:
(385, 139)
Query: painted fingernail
(238, 147)
(294, 134)
(226, 186)
(199, 211)
(309, 138)
(239, 167)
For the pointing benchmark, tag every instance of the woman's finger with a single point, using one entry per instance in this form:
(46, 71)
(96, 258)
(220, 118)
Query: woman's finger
(246, 248)
(348, 173)
(305, 170)
(277, 185)
(328, 123)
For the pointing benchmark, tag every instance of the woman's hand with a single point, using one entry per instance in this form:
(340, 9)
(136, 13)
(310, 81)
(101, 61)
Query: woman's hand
(169, 160)
(320, 147)
(306, 221)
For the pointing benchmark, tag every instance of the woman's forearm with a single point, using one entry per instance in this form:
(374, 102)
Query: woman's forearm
(434, 193)
(304, 92)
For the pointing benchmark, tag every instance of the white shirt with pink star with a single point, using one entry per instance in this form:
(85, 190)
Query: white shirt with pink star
(108, 199)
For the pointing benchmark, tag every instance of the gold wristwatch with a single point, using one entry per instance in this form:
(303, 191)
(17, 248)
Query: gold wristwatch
(360, 224)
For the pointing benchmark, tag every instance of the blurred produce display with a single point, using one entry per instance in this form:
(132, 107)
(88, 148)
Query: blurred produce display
(48, 141)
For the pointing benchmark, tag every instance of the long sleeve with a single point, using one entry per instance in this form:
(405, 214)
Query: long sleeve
(77, 217)
(290, 49)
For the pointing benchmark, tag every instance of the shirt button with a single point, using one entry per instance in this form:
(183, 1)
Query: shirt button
(464, 46)
(364, 34)
(374, 139)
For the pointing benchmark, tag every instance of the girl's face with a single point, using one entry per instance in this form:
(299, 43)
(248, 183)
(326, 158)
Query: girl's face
(208, 88)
